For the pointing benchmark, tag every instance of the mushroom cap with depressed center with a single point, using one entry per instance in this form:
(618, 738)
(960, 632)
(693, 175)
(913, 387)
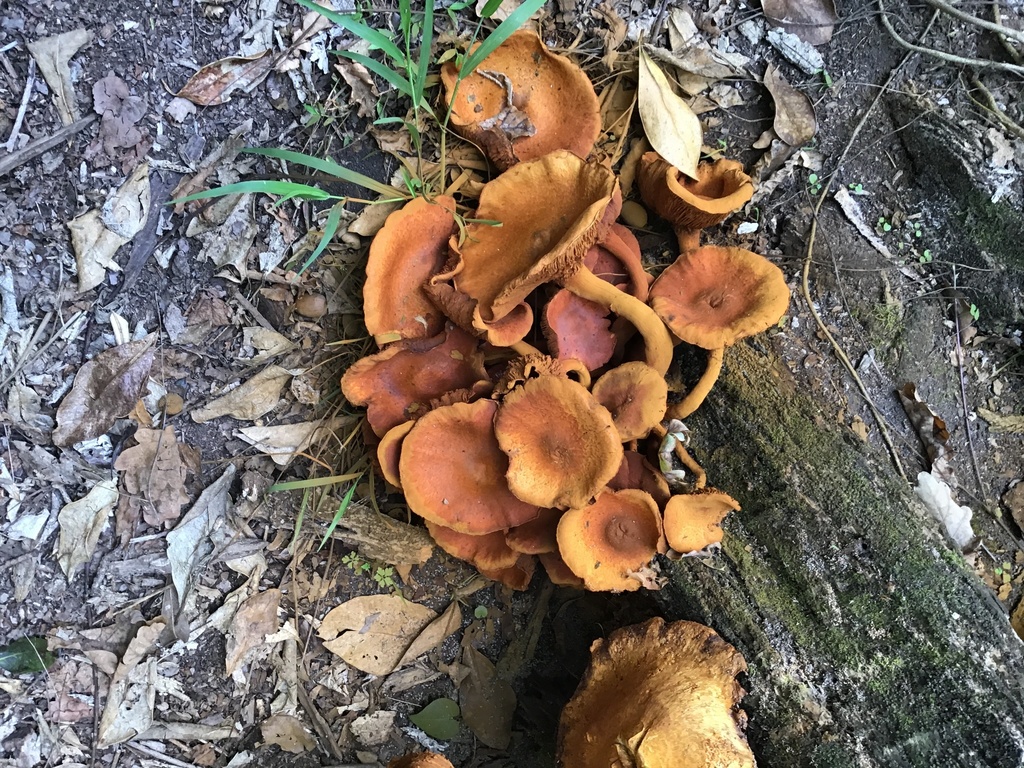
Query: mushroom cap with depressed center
(550, 211)
(575, 328)
(410, 248)
(667, 693)
(421, 760)
(488, 550)
(715, 296)
(562, 445)
(720, 188)
(636, 395)
(604, 542)
(553, 104)
(399, 381)
(453, 471)
(693, 521)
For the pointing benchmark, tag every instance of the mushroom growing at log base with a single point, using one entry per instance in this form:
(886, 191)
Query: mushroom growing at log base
(693, 521)
(657, 695)
(713, 297)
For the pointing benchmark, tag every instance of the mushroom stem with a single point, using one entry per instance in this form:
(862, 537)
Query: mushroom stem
(689, 240)
(696, 396)
(657, 342)
(524, 348)
(700, 477)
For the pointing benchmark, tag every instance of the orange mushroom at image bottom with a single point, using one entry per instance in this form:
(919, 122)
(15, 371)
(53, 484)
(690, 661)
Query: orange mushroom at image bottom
(421, 760)
(611, 542)
(712, 298)
(658, 695)
(693, 521)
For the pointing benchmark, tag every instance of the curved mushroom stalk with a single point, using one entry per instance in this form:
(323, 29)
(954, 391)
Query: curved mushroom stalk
(689, 240)
(657, 342)
(700, 391)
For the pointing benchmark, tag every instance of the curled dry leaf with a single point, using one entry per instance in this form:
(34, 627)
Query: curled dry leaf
(932, 431)
(254, 620)
(671, 126)
(81, 523)
(287, 732)
(810, 20)
(283, 441)
(250, 400)
(794, 123)
(214, 83)
(154, 473)
(53, 55)
(105, 390)
(999, 423)
(938, 499)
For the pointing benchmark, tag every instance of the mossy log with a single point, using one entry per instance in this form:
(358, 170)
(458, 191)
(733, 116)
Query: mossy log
(869, 642)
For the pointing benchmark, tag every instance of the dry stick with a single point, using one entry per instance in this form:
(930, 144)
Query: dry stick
(963, 403)
(1012, 52)
(990, 106)
(942, 55)
(806, 272)
(39, 146)
(999, 29)
(24, 105)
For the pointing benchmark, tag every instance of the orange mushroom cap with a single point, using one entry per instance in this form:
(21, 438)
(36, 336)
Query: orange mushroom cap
(720, 188)
(523, 102)
(636, 395)
(693, 521)
(558, 572)
(421, 760)
(453, 471)
(637, 472)
(517, 577)
(522, 368)
(664, 693)
(607, 541)
(714, 296)
(487, 551)
(578, 329)
(538, 536)
(389, 451)
(410, 248)
(561, 443)
(399, 381)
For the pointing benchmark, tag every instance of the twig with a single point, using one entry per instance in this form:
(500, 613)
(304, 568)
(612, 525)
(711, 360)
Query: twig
(990, 106)
(144, 750)
(1012, 52)
(956, 13)
(39, 146)
(24, 105)
(963, 402)
(942, 55)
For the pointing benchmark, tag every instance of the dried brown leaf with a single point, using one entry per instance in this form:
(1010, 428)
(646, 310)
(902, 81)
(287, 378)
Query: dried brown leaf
(810, 20)
(794, 123)
(214, 83)
(254, 398)
(932, 431)
(81, 523)
(364, 92)
(433, 634)
(153, 470)
(671, 126)
(288, 733)
(254, 620)
(53, 55)
(373, 632)
(105, 390)
(999, 423)
(488, 702)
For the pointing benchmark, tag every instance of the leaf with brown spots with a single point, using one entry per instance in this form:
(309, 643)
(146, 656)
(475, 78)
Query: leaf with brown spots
(213, 84)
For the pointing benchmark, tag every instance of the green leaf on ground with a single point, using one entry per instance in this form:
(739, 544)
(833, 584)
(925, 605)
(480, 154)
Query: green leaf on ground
(439, 719)
(29, 654)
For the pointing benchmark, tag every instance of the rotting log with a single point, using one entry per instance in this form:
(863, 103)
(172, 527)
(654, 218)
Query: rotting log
(868, 640)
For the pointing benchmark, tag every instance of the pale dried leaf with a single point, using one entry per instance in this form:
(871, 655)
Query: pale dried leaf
(288, 733)
(105, 389)
(799, 53)
(23, 406)
(373, 632)
(266, 342)
(384, 539)
(364, 91)
(999, 423)
(374, 729)
(810, 20)
(53, 54)
(794, 122)
(433, 634)
(370, 220)
(254, 398)
(254, 620)
(938, 500)
(1014, 501)
(129, 708)
(488, 702)
(155, 472)
(81, 523)
(214, 83)
(284, 441)
(671, 126)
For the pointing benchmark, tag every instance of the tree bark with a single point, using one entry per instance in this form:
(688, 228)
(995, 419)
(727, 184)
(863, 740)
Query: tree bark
(869, 642)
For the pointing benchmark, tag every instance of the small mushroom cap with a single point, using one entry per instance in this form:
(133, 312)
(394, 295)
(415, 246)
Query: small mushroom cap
(399, 381)
(714, 296)
(421, 760)
(666, 693)
(617, 259)
(558, 572)
(551, 212)
(693, 521)
(453, 472)
(636, 395)
(637, 472)
(517, 577)
(389, 451)
(561, 443)
(538, 536)
(605, 542)
(488, 551)
(408, 250)
(721, 187)
(553, 104)
(575, 328)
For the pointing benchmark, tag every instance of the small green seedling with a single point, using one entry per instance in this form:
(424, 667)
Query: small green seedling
(975, 312)
(813, 184)
(926, 256)
(827, 78)
(883, 225)
(856, 189)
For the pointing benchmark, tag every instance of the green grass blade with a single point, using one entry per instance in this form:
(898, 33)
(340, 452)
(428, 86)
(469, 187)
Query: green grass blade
(372, 36)
(399, 82)
(325, 166)
(420, 79)
(342, 509)
(489, 8)
(313, 482)
(330, 230)
(286, 189)
(501, 33)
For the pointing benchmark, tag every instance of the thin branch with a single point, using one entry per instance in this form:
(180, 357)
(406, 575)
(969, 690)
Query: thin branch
(988, 103)
(31, 81)
(956, 13)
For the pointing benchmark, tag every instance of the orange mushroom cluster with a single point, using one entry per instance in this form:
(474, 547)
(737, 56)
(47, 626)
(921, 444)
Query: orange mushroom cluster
(518, 396)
